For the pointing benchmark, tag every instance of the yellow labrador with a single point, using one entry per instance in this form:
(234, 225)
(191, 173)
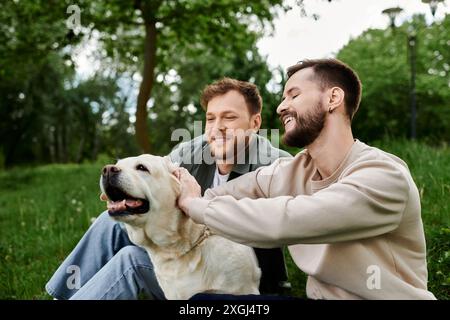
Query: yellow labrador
(142, 192)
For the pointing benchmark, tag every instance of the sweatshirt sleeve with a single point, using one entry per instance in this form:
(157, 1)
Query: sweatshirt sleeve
(367, 201)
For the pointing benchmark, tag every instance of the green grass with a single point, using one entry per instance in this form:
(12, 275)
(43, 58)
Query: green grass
(45, 210)
(43, 213)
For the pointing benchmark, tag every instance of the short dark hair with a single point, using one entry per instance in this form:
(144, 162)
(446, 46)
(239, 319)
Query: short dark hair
(220, 87)
(330, 73)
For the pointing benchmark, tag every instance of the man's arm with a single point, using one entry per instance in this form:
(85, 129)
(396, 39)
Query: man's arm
(367, 202)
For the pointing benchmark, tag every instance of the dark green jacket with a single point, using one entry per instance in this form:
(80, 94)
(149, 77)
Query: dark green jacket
(195, 156)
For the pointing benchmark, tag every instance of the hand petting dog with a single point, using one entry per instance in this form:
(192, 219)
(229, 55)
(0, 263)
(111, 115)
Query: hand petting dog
(189, 188)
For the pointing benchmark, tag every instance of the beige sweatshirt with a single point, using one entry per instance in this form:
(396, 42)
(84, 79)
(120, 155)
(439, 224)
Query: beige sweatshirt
(358, 234)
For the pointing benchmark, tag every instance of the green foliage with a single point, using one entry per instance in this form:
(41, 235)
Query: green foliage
(55, 118)
(381, 59)
(49, 114)
(185, 28)
(44, 211)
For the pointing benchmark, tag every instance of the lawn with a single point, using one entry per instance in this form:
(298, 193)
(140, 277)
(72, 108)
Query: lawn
(45, 210)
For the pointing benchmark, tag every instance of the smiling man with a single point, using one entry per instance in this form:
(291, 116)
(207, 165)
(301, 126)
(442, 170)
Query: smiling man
(106, 265)
(350, 213)
(226, 129)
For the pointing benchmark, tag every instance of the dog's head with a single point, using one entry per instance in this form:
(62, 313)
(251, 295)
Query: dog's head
(136, 187)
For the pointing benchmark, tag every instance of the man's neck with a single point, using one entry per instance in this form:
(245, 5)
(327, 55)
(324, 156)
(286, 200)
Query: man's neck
(224, 168)
(330, 148)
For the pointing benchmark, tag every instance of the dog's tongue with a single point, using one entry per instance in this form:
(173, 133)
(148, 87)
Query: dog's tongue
(122, 205)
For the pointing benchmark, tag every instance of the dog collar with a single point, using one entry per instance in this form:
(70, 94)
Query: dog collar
(205, 234)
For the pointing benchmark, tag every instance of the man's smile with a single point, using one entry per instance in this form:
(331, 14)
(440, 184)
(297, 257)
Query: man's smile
(221, 139)
(288, 121)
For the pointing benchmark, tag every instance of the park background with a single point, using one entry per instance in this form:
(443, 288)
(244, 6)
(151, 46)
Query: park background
(78, 94)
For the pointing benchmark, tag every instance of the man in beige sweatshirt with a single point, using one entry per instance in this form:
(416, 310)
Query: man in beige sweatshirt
(350, 213)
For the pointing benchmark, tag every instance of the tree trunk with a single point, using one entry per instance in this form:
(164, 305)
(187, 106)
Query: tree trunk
(142, 132)
(59, 142)
(51, 144)
(96, 142)
(79, 155)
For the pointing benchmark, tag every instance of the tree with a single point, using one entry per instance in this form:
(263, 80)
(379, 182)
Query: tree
(380, 58)
(49, 114)
(30, 37)
(171, 29)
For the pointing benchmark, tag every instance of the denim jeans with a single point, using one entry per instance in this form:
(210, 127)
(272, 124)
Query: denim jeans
(105, 265)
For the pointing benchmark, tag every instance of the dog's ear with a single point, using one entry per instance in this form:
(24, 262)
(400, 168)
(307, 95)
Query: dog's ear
(172, 167)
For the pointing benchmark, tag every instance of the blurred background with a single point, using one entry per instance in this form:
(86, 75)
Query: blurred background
(85, 82)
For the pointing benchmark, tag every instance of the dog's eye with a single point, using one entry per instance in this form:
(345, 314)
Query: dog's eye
(141, 167)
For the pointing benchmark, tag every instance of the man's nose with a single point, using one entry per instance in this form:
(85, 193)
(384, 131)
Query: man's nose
(110, 170)
(282, 107)
(218, 125)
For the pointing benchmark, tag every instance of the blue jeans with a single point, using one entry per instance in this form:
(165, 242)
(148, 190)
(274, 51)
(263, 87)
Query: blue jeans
(105, 265)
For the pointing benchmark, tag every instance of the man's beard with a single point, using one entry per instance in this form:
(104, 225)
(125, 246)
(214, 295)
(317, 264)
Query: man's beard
(307, 128)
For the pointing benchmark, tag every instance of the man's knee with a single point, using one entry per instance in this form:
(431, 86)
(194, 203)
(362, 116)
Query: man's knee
(134, 255)
(104, 218)
(105, 222)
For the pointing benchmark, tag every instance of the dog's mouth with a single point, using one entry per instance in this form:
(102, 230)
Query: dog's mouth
(122, 204)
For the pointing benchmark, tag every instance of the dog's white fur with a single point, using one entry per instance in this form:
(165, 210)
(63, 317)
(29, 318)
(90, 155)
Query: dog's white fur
(187, 259)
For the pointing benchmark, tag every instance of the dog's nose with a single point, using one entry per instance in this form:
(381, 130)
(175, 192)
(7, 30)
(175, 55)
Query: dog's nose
(110, 170)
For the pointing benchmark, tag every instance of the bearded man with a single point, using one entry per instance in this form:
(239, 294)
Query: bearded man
(350, 213)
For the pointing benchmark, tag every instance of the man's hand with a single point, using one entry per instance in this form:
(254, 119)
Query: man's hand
(189, 188)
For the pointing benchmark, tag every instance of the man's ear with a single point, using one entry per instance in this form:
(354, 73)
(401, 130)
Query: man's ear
(335, 98)
(256, 122)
